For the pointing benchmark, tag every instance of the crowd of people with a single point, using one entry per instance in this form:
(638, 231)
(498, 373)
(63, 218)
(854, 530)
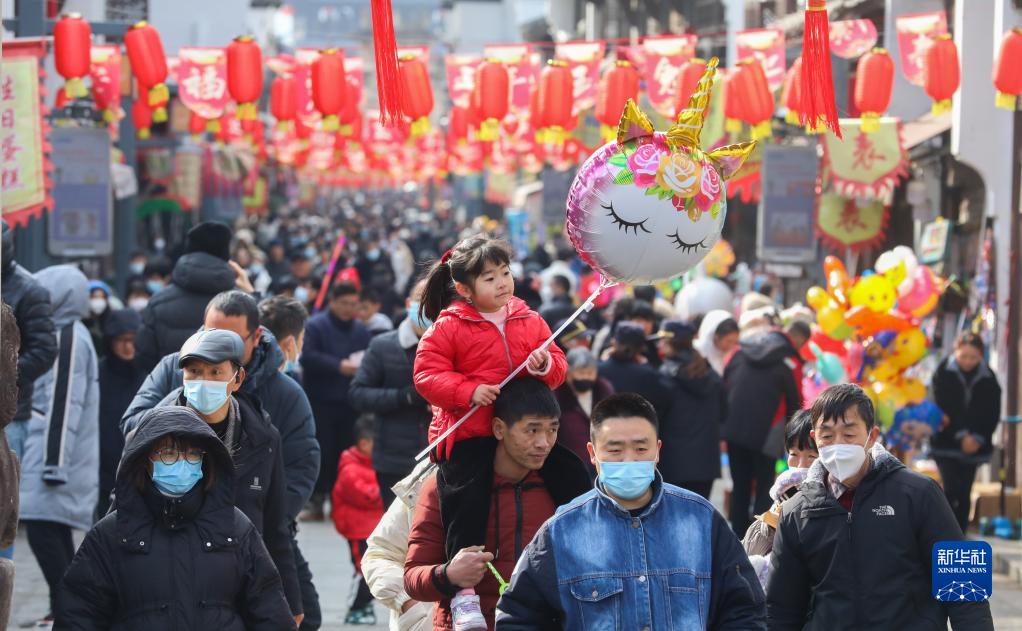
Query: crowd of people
(290, 369)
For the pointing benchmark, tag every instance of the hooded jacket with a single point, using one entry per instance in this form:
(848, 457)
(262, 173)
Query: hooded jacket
(30, 303)
(175, 312)
(463, 350)
(762, 389)
(704, 340)
(281, 397)
(868, 568)
(973, 406)
(194, 562)
(60, 464)
(356, 503)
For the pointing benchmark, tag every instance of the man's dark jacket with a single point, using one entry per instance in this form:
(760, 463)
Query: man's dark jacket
(832, 569)
(690, 430)
(328, 341)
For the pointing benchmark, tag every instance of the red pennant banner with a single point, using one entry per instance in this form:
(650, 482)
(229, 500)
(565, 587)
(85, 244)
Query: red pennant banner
(302, 71)
(523, 69)
(461, 77)
(201, 75)
(914, 37)
(850, 39)
(767, 46)
(660, 60)
(584, 60)
(354, 76)
(105, 70)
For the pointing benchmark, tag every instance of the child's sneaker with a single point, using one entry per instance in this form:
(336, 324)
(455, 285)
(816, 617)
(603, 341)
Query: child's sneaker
(466, 612)
(365, 615)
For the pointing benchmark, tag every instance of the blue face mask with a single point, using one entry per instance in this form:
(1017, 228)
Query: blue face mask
(373, 255)
(419, 322)
(153, 286)
(176, 479)
(136, 268)
(627, 480)
(206, 396)
(301, 294)
(311, 253)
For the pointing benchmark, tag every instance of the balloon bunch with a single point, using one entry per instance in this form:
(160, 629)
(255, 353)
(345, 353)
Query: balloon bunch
(867, 331)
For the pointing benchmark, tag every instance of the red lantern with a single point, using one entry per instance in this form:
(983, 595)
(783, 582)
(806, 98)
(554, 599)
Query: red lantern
(943, 76)
(196, 125)
(732, 109)
(791, 92)
(494, 86)
(245, 75)
(457, 125)
(72, 43)
(283, 100)
(416, 93)
(754, 99)
(688, 79)
(620, 84)
(1008, 70)
(329, 86)
(874, 80)
(141, 117)
(149, 65)
(556, 96)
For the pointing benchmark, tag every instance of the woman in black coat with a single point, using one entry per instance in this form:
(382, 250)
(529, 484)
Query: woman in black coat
(967, 391)
(176, 553)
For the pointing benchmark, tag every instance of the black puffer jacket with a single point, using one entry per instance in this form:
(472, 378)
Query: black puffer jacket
(194, 562)
(119, 380)
(972, 403)
(383, 385)
(30, 303)
(259, 488)
(760, 378)
(176, 311)
(691, 429)
(832, 569)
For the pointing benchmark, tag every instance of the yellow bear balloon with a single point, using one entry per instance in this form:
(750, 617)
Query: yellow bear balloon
(907, 348)
(873, 292)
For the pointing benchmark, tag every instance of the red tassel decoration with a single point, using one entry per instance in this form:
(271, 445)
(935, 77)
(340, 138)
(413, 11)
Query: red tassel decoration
(818, 104)
(388, 80)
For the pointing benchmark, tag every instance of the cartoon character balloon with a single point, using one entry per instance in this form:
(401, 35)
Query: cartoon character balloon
(649, 206)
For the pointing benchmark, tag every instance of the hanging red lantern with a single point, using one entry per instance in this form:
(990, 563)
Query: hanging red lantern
(688, 79)
(457, 125)
(283, 100)
(245, 75)
(494, 85)
(754, 98)
(416, 93)
(943, 75)
(196, 125)
(1008, 70)
(620, 83)
(141, 117)
(732, 108)
(149, 65)
(72, 45)
(329, 86)
(791, 92)
(556, 98)
(302, 131)
(874, 80)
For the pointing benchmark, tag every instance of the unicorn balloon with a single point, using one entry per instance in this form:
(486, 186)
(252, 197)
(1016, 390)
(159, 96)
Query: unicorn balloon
(649, 206)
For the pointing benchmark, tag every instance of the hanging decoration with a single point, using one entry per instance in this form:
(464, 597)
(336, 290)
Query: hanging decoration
(1008, 70)
(245, 75)
(523, 71)
(350, 117)
(283, 101)
(494, 88)
(865, 166)
(105, 71)
(915, 33)
(663, 60)
(201, 75)
(791, 92)
(141, 118)
(765, 45)
(850, 39)
(874, 81)
(385, 51)
(149, 65)
(72, 40)
(583, 62)
(329, 86)
(732, 106)
(555, 100)
(843, 223)
(688, 78)
(461, 78)
(619, 85)
(416, 93)
(196, 125)
(943, 75)
(754, 100)
(818, 104)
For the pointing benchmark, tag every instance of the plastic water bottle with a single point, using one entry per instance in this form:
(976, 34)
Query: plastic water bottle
(467, 612)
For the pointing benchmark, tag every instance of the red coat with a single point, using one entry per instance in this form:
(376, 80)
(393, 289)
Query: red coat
(462, 350)
(426, 550)
(357, 506)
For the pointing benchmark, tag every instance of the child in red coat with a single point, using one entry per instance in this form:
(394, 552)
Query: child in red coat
(481, 332)
(357, 508)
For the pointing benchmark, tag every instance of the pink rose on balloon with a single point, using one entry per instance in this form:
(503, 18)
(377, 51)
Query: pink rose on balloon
(710, 188)
(643, 163)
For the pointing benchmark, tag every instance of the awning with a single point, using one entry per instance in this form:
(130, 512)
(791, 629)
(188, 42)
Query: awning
(923, 128)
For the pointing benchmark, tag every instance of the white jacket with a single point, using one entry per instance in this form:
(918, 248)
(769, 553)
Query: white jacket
(383, 564)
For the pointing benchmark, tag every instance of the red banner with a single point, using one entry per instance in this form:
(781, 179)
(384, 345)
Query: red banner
(302, 70)
(202, 80)
(914, 37)
(354, 76)
(767, 46)
(461, 77)
(105, 71)
(584, 60)
(660, 60)
(850, 39)
(24, 167)
(523, 69)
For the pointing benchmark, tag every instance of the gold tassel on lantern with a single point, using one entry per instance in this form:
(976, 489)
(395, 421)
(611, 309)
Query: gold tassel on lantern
(1006, 101)
(159, 93)
(75, 88)
(941, 107)
(762, 130)
(420, 127)
(870, 122)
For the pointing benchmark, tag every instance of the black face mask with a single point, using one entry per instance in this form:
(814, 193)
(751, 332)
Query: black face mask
(583, 385)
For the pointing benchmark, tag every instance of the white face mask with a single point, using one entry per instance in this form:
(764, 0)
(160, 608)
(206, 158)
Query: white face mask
(843, 461)
(97, 305)
(138, 304)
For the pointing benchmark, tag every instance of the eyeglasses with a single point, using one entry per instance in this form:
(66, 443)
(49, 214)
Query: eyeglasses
(170, 455)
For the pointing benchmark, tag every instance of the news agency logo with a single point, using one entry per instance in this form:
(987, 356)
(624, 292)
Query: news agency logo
(962, 571)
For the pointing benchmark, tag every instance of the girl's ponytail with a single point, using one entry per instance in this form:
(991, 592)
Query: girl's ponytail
(438, 291)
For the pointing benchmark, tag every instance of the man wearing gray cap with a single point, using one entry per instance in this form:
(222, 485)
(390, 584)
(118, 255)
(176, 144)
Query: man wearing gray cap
(213, 373)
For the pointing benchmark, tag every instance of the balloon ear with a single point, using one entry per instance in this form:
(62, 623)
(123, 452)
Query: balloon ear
(731, 158)
(634, 124)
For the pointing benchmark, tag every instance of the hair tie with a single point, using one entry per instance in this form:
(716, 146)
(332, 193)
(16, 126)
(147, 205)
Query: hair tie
(446, 256)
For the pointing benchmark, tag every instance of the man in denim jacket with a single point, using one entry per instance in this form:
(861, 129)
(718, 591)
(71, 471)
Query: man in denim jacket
(635, 552)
